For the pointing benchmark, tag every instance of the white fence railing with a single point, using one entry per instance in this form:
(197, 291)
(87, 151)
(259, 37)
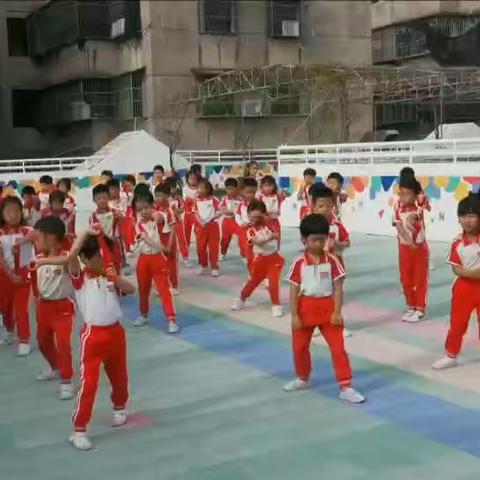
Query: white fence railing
(228, 157)
(40, 165)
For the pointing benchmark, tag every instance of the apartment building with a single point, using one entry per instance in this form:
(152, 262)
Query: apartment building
(75, 73)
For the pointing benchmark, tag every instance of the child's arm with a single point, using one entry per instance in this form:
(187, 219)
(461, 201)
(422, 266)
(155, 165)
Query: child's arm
(472, 274)
(28, 238)
(301, 193)
(6, 269)
(338, 297)
(120, 282)
(294, 294)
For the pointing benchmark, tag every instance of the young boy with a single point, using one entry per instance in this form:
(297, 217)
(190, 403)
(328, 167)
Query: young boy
(249, 190)
(267, 263)
(228, 206)
(31, 206)
(303, 195)
(335, 182)
(52, 290)
(316, 299)
(102, 339)
(46, 188)
(57, 209)
(65, 186)
(106, 176)
(157, 177)
(413, 250)
(465, 261)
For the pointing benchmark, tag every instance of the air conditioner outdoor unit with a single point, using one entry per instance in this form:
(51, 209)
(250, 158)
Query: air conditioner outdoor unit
(252, 108)
(118, 28)
(290, 28)
(79, 111)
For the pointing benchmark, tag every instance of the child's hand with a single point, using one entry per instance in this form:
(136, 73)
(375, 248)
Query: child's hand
(95, 229)
(296, 323)
(110, 272)
(337, 319)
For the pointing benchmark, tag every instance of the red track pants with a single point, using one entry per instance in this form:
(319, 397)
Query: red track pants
(413, 264)
(208, 243)
(465, 300)
(54, 332)
(127, 231)
(265, 266)
(16, 302)
(172, 259)
(317, 312)
(154, 268)
(230, 228)
(243, 242)
(182, 239)
(107, 346)
(189, 220)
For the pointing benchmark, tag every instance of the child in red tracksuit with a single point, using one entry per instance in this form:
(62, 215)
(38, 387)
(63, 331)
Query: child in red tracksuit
(207, 231)
(46, 188)
(52, 289)
(303, 195)
(413, 250)
(316, 297)
(168, 237)
(190, 191)
(267, 263)
(465, 261)
(228, 206)
(31, 206)
(16, 252)
(65, 185)
(152, 264)
(269, 195)
(57, 209)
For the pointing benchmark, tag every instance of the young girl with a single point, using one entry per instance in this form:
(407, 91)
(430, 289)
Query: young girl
(207, 230)
(14, 261)
(228, 206)
(303, 195)
(272, 199)
(31, 206)
(65, 186)
(252, 169)
(189, 194)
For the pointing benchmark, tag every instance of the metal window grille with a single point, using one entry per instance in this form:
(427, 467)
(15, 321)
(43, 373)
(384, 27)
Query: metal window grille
(285, 100)
(453, 26)
(409, 42)
(284, 18)
(218, 16)
(402, 112)
(221, 107)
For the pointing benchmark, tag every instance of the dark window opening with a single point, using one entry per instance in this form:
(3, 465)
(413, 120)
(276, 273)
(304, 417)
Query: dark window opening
(17, 37)
(217, 107)
(284, 18)
(217, 16)
(23, 103)
(285, 101)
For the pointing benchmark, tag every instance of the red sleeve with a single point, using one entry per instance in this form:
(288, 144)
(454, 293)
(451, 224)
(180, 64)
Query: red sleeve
(295, 273)
(171, 216)
(343, 235)
(251, 233)
(194, 206)
(453, 256)
(337, 268)
(44, 212)
(222, 203)
(216, 203)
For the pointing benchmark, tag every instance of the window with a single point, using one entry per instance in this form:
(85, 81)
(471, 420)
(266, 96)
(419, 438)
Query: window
(23, 107)
(17, 37)
(284, 18)
(409, 42)
(285, 101)
(217, 16)
(217, 107)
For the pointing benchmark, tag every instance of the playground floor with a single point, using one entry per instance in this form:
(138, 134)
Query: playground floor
(208, 404)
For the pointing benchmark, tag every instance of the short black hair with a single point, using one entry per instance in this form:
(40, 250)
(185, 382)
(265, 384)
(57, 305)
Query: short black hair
(171, 183)
(257, 205)
(231, 182)
(208, 185)
(163, 188)
(28, 190)
(196, 169)
(336, 176)
(410, 183)
(159, 167)
(249, 182)
(46, 179)
(67, 182)
(309, 172)
(470, 205)
(99, 189)
(107, 173)
(141, 188)
(269, 180)
(407, 172)
(113, 183)
(13, 201)
(91, 246)
(314, 224)
(146, 197)
(320, 190)
(51, 226)
(130, 179)
(56, 196)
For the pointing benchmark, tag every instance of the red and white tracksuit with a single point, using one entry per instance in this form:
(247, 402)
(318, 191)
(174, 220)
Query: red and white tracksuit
(267, 263)
(108, 222)
(44, 199)
(413, 256)
(178, 205)
(273, 202)
(52, 289)
(243, 221)
(126, 229)
(102, 341)
(307, 207)
(316, 305)
(337, 233)
(189, 195)
(229, 205)
(207, 231)
(465, 292)
(16, 296)
(166, 230)
(68, 219)
(152, 266)
(31, 214)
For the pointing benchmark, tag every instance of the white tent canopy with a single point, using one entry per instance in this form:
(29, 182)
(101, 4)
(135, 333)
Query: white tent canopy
(451, 131)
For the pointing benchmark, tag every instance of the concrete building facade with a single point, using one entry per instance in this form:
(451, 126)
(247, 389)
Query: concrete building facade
(73, 74)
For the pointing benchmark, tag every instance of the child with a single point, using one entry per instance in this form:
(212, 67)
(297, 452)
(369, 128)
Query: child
(127, 225)
(309, 177)
(190, 191)
(31, 206)
(57, 209)
(252, 169)
(167, 227)
(157, 177)
(413, 250)
(267, 263)
(102, 339)
(14, 261)
(46, 188)
(119, 203)
(128, 187)
(465, 260)
(207, 231)
(272, 199)
(106, 176)
(152, 262)
(228, 206)
(52, 289)
(249, 190)
(335, 182)
(316, 298)
(65, 186)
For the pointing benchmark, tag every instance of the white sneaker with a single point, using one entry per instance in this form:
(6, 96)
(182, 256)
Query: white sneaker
(173, 327)
(8, 339)
(408, 314)
(48, 375)
(221, 258)
(215, 273)
(445, 362)
(66, 392)
(119, 418)
(175, 291)
(140, 321)
(277, 311)
(238, 304)
(23, 350)
(416, 317)
(351, 395)
(80, 441)
(347, 333)
(297, 384)
(187, 263)
(204, 271)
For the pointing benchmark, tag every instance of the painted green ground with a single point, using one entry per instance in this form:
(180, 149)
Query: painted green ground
(208, 404)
